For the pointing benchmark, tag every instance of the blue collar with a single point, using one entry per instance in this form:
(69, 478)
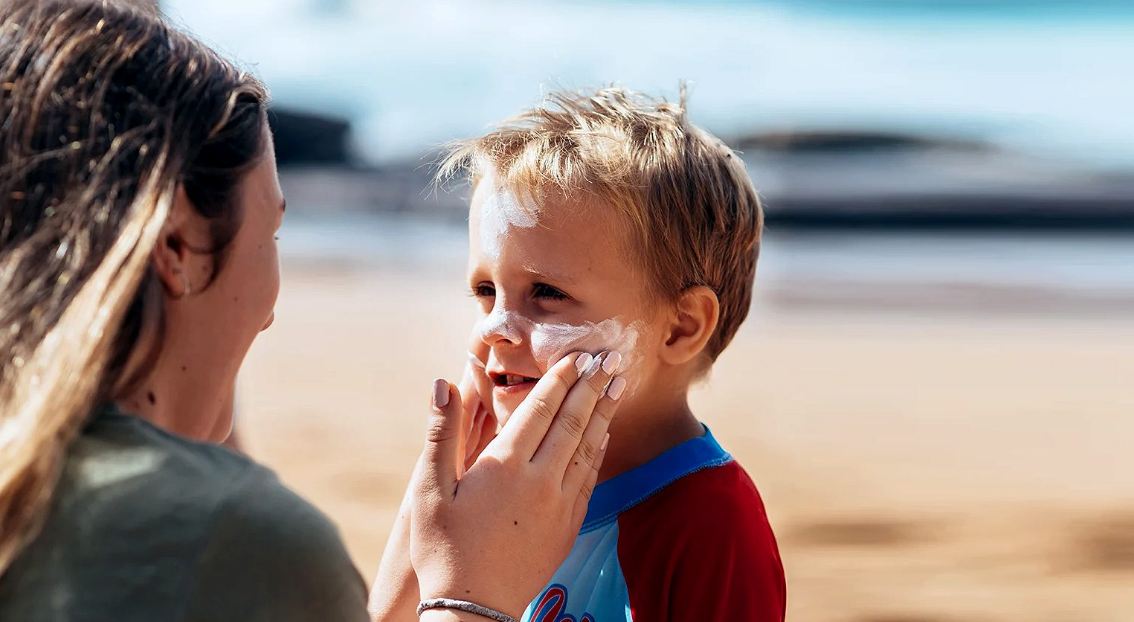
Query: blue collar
(623, 492)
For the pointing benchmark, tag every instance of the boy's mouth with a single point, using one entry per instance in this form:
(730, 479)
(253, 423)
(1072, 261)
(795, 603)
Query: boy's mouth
(511, 380)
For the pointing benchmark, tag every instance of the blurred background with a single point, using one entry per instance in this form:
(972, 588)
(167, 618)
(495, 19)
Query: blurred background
(933, 390)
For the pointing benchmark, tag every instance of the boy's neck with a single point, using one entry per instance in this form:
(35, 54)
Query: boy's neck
(641, 432)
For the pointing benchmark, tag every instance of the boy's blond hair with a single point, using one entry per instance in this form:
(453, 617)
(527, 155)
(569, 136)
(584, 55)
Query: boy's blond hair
(693, 214)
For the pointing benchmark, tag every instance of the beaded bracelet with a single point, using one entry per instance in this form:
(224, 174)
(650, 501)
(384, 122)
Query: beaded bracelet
(463, 605)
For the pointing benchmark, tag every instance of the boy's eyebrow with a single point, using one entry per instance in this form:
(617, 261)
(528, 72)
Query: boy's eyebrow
(550, 276)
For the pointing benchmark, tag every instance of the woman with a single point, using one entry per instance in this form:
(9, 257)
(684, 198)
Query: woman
(138, 206)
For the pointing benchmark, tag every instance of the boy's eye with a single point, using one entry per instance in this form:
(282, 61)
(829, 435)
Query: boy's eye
(483, 290)
(542, 290)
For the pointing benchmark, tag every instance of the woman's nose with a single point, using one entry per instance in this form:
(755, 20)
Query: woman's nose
(502, 326)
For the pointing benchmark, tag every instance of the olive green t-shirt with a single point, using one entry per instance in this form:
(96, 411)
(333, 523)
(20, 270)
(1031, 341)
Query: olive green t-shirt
(148, 526)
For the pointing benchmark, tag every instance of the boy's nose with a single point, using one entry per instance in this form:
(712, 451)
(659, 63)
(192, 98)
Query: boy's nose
(500, 326)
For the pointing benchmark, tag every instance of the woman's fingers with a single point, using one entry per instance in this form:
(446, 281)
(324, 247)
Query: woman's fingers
(476, 389)
(441, 457)
(568, 434)
(470, 405)
(588, 454)
(587, 487)
(529, 424)
(484, 430)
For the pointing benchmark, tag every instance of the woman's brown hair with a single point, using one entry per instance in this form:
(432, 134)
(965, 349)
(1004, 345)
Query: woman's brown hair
(105, 111)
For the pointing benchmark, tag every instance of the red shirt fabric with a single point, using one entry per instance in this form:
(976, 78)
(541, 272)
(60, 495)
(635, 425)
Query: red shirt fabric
(702, 549)
(684, 537)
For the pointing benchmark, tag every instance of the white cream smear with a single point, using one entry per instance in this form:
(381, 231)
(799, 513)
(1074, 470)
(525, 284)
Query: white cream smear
(550, 342)
(503, 324)
(500, 212)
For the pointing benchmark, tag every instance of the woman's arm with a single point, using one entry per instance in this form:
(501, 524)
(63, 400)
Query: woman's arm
(394, 595)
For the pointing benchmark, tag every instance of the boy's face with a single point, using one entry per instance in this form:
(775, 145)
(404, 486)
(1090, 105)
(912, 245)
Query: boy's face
(551, 281)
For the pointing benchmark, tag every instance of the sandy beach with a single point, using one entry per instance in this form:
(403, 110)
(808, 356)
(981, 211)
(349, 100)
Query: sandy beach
(918, 465)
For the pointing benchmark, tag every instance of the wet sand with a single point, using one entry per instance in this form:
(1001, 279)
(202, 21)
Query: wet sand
(918, 465)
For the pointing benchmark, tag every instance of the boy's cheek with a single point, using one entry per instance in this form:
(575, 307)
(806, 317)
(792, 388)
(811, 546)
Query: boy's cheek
(551, 342)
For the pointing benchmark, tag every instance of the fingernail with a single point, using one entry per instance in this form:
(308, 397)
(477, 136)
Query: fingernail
(611, 362)
(617, 386)
(440, 393)
(605, 441)
(582, 362)
(592, 369)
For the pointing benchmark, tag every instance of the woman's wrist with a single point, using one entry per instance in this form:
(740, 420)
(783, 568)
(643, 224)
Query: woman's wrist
(454, 604)
(448, 615)
(451, 615)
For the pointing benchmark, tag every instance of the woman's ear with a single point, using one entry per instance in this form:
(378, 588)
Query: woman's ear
(694, 321)
(173, 252)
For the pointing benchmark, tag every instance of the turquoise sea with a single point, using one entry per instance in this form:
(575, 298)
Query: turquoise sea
(1046, 77)
(1051, 79)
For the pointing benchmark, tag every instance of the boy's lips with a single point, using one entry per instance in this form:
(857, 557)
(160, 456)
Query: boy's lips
(507, 382)
(506, 379)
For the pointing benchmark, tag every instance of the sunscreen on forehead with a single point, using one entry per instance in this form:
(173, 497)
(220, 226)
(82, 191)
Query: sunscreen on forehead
(500, 213)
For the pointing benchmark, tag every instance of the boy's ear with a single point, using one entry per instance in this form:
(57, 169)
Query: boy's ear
(172, 253)
(693, 324)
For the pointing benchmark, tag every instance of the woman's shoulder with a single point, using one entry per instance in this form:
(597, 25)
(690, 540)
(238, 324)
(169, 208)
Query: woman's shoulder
(224, 494)
(170, 525)
(267, 545)
(122, 464)
(113, 436)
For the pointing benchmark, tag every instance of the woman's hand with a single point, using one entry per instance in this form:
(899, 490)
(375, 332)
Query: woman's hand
(496, 536)
(479, 422)
(394, 594)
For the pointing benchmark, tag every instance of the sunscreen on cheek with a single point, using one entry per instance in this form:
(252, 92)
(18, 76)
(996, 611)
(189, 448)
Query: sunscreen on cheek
(551, 342)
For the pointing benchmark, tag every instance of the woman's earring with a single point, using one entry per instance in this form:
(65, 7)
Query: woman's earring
(186, 290)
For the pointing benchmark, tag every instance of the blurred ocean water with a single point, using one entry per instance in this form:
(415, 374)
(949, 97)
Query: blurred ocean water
(1043, 77)
(1050, 78)
(952, 271)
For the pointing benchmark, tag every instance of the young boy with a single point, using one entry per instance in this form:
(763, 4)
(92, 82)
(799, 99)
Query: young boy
(607, 222)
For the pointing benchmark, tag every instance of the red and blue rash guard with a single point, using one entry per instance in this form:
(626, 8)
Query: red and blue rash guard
(683, 537)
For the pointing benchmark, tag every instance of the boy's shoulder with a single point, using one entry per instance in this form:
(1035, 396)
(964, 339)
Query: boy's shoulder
(702, 548)
(710, 517)
(682, 537)
(712, 503)
(694, 485)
